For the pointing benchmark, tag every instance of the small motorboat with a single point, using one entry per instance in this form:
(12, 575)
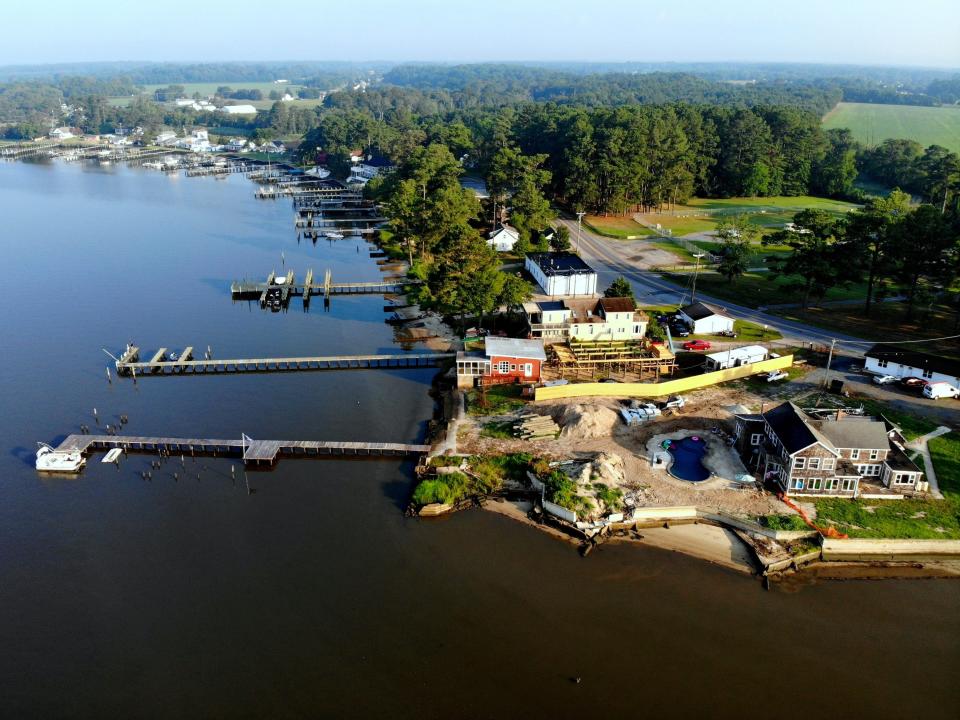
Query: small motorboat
(112, 456)
(318, 172)
(173, 356)
(334, 235)
(66, 461)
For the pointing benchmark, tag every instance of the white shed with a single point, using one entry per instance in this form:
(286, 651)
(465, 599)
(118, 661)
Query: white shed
(706, 319)
(901, 362)
(562, 273)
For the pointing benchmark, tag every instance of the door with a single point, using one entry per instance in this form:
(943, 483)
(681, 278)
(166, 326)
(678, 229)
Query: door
(528, 369)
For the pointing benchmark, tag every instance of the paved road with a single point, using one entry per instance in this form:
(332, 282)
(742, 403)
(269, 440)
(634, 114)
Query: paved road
(610, 259)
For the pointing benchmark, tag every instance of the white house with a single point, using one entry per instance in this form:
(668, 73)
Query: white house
(274, 146)
(287, 97)
(893, 360)
(735, 357)
(167, 137)
(562, 273)
(183, 102)
(586, 319)
(239, 109)
(705, 319)
(61, 133)
(503, 238)
(237, 144)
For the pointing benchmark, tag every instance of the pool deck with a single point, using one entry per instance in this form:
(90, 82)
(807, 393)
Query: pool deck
(720, 459)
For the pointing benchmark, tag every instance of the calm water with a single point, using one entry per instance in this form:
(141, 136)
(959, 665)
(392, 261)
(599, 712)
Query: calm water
(314, 596)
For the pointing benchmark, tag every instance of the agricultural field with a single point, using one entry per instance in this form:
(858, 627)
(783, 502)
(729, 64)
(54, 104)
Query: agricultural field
(210, 88)
(701, 215)
(872, 123)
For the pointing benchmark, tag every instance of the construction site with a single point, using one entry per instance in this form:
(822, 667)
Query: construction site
(623, 360)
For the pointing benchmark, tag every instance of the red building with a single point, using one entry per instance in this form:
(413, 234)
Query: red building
(503, 360)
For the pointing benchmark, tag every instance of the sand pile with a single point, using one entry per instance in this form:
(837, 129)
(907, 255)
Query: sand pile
(582, 422)
(606, 468)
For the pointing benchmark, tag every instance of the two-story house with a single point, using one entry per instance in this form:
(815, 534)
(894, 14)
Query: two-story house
(832, 453)
(587, 319)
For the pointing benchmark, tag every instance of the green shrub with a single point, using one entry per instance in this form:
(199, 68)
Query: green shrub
(612, 497)
(561, 490)
(784, 522)
(447, 488)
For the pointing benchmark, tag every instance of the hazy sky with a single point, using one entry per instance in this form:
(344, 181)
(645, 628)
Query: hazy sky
(885, 32)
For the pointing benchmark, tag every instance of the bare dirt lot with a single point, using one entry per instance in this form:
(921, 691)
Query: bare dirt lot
(590, 426)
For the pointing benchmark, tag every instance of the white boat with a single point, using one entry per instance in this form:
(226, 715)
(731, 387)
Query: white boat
(67, 461)
(318, 172)
(334, 235)
(112, 455)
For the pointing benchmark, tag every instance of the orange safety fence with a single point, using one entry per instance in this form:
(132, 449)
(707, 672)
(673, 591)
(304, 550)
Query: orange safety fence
(825, 531)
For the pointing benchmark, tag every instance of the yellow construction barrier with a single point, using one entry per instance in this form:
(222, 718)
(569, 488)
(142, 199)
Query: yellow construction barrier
(670, 387)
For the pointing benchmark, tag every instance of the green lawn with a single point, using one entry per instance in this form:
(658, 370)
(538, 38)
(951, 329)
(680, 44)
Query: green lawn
(745, 330)
(931, 519)
(757, 289)
(494, 400)
(912, 425)
(615, 226)
(871, 124)
(703, 214)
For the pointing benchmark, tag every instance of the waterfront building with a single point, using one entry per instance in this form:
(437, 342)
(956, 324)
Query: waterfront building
(705, 319)
(503, 360)
(826, 453)
(586, 319)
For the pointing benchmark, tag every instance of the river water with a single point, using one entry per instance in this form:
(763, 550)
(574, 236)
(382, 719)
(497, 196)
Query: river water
(312, 595)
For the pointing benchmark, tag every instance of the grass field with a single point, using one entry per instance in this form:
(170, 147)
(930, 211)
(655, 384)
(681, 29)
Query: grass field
(887, 321)
(871, 124)
(210, 88)
(616, 226)
(702, 215)
(756, 290)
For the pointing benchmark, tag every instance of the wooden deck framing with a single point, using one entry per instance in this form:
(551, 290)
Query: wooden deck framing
(624, 356)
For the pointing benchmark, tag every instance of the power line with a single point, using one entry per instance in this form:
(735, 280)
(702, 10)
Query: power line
(896, 342)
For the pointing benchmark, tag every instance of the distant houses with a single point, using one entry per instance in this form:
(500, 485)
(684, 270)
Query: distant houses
(363, 170)
(586, 319)
(167, 137)
(503, 360)
(826, 453)
(62, 133)
(503, 238)
(705, 319)
(562, 273)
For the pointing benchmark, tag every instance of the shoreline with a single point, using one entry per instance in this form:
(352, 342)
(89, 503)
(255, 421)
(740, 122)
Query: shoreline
(723, 547)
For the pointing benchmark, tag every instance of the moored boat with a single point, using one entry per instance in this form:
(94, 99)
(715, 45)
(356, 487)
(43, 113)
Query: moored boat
(67, 461)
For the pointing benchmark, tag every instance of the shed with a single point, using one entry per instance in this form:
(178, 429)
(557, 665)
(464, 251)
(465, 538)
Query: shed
(735, 357)
(562, 273)
(706, 319)
(503, 238)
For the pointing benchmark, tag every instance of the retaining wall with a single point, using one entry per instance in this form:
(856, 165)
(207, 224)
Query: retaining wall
(669, 387)
(889, 549)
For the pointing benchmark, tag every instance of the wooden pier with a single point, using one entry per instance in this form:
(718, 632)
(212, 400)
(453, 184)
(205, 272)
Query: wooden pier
(251, 451)
(130, 364)
(277, 290)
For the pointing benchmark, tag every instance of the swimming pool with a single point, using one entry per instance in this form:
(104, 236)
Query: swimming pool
(687, 455)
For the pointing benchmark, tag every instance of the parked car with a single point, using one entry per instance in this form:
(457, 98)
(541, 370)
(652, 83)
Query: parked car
(696, 345)
(776, 375)
(674, 401)
(884, 379)
(727, 333)
(679, 330)
(913, 382)
(938, 390)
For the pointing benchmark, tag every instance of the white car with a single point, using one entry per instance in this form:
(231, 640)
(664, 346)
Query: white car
(776, 375)
(884, 379)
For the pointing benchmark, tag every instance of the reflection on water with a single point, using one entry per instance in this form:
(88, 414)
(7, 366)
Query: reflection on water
(314, 596)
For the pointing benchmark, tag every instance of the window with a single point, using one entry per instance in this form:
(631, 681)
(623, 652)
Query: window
(814, 483)
(813, 464)
(798, 484)
(903, 479)
(868, 470)
(855, 454)
(799, 463)
(828, 463)
(874, 454)
(882, 363)
(513, 367)
(928, 373)
(848, 485)
(756, 438)
(830, 484)
(503, 367)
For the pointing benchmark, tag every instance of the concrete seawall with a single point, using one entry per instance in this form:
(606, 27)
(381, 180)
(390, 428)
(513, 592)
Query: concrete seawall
(891, 550)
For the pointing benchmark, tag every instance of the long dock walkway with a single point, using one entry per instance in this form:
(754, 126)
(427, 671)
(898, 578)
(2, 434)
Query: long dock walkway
(277, 290)
(129, 363)
(250, 450)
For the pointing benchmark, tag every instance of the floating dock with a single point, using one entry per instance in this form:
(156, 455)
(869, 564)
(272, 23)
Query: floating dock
(129, 363)
(278, 289)
(250, 450)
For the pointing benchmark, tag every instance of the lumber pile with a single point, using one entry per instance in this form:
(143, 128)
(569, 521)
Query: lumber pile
(536, 427)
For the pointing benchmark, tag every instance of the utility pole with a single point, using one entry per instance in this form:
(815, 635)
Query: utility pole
(696, 271)
(580, 215)
(826, 374)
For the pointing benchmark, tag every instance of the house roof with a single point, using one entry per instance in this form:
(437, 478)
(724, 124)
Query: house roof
(700, 310)
(918, 360)
(552, 263)
(898, 461)
(854, 432)
(551, 305)
(790, 425)
(515, 347)
(618, 304)
(511, 231)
